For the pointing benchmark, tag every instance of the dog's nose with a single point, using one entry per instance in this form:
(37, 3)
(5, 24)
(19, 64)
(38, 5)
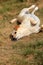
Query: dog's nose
(12, 38)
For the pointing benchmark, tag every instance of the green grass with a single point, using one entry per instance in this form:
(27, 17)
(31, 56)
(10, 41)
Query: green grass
(24, 50)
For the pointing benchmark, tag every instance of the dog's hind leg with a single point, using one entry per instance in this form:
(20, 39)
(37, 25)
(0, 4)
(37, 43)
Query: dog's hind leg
(36, 8)
(33, 6)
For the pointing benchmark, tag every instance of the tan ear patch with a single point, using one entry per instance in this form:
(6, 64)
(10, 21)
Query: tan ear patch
(16, 27)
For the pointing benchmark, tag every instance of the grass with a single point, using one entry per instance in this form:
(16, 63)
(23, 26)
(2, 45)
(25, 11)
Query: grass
(26, 51)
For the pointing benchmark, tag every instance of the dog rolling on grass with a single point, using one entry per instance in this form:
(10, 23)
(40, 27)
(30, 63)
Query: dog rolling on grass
(28, 23)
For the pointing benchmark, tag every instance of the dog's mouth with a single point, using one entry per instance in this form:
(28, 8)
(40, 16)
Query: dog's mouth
(12, 38)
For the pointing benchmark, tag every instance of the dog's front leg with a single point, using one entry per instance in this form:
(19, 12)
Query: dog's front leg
(13, 20)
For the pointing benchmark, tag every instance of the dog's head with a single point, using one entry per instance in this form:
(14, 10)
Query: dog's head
(13, 36)
(19, 33)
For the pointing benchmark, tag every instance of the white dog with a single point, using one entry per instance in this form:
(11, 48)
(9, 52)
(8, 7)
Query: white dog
(30, 23)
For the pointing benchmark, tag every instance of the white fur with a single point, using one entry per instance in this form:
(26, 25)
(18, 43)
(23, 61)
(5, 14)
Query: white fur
(26, 28)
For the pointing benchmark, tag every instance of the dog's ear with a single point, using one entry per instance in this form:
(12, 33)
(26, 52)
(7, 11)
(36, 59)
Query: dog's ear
(16, 27)
(18, 22)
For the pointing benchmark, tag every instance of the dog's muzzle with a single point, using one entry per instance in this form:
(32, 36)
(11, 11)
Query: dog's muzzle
(12, 38)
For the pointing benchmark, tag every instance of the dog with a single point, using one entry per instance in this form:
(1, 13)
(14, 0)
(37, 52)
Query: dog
(29, 23)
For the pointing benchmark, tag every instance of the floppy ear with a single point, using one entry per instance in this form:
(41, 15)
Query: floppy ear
(16, 27)
(18, 22)
(20, 19)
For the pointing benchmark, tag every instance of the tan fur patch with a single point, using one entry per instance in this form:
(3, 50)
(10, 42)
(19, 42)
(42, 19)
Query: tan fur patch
(16, 27)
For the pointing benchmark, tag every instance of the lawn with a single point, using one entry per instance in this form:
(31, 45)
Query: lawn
(26, 51)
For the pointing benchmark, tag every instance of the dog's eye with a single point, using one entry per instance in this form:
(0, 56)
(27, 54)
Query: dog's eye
(15, 32)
